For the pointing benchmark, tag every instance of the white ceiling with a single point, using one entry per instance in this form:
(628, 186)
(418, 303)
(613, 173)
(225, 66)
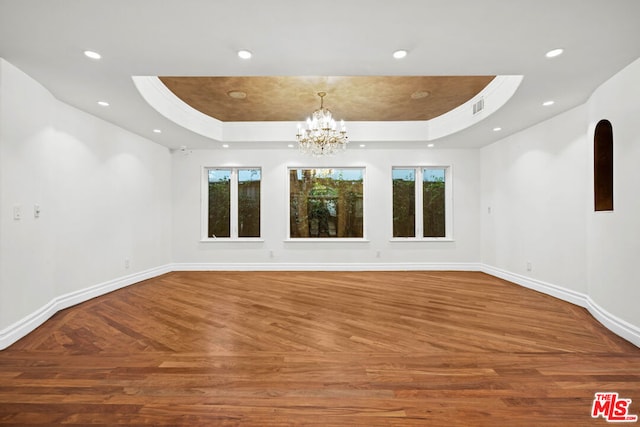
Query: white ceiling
(46, 39)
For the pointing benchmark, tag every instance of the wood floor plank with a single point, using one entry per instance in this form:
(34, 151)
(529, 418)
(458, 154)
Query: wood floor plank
(317, 348)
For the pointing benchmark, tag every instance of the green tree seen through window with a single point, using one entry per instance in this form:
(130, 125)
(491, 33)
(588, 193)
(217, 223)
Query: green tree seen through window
(326, 203)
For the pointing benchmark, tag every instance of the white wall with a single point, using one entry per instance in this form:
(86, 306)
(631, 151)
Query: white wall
(25, 128)
(534, 197)
(613, 238)
(104, 193)
(539, 186)
(461, 252)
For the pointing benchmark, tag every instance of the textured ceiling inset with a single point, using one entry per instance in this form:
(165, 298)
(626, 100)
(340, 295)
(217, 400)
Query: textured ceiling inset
(353, 98)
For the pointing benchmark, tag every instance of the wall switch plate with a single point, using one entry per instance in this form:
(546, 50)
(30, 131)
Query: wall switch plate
(36, 211)
(17, 213)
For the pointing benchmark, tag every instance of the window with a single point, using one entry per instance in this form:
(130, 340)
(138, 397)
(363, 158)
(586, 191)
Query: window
(404, 203)
(421, 202)
(233, 202)
(603, 166)
(326, 203)
(433, 203)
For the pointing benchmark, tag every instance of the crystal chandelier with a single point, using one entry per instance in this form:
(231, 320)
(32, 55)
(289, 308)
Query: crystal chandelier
(321, 136)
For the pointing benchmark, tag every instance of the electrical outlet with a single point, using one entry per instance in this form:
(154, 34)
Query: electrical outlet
(529, 266)
(127, 263)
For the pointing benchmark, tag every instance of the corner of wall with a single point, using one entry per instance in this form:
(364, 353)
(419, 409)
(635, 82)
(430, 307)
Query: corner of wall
(24, 326)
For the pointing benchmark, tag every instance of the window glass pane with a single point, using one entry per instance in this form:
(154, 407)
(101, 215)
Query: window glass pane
(433, 202)
(219, 202)
(404, 202)
(326, 202)
(249, 203)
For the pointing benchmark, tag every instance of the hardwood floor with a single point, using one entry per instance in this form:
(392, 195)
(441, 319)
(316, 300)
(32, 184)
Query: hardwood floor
(317, 348)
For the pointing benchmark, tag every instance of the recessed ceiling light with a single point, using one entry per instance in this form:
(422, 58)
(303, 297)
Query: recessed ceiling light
(157, 131)
(244, 54)
(290, 145)
(431, 145)
(548, 103)
(237, 94)
(497, 129)
(362, 145)
(419, 94)
(553, 53)
(103, 103)
(225, 145)
(91, 54)
(399, 54)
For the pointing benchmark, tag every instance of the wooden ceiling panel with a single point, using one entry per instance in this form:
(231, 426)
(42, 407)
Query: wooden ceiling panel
(360, 98)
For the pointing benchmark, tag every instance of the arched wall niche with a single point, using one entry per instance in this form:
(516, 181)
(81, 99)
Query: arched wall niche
(603, 166)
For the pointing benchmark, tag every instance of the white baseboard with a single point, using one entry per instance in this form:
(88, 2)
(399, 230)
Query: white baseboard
(616, 325)
(564, 294)
(326, 267)
(24, 326)
(19, 329)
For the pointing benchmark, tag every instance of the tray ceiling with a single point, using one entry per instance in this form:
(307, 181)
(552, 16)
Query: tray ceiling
(352, 98)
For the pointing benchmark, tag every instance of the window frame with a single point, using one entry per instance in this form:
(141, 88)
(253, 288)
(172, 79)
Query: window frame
(288, 237)
(419, 205)
(233, 208)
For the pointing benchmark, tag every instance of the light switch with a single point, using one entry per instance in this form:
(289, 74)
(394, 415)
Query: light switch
(36, 211)
(17, 213)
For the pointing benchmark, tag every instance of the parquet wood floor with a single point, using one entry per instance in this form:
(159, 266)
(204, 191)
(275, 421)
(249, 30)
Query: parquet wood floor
(317, 348)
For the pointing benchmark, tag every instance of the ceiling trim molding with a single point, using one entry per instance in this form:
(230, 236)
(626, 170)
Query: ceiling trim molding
(494, 96)
(173, 108)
